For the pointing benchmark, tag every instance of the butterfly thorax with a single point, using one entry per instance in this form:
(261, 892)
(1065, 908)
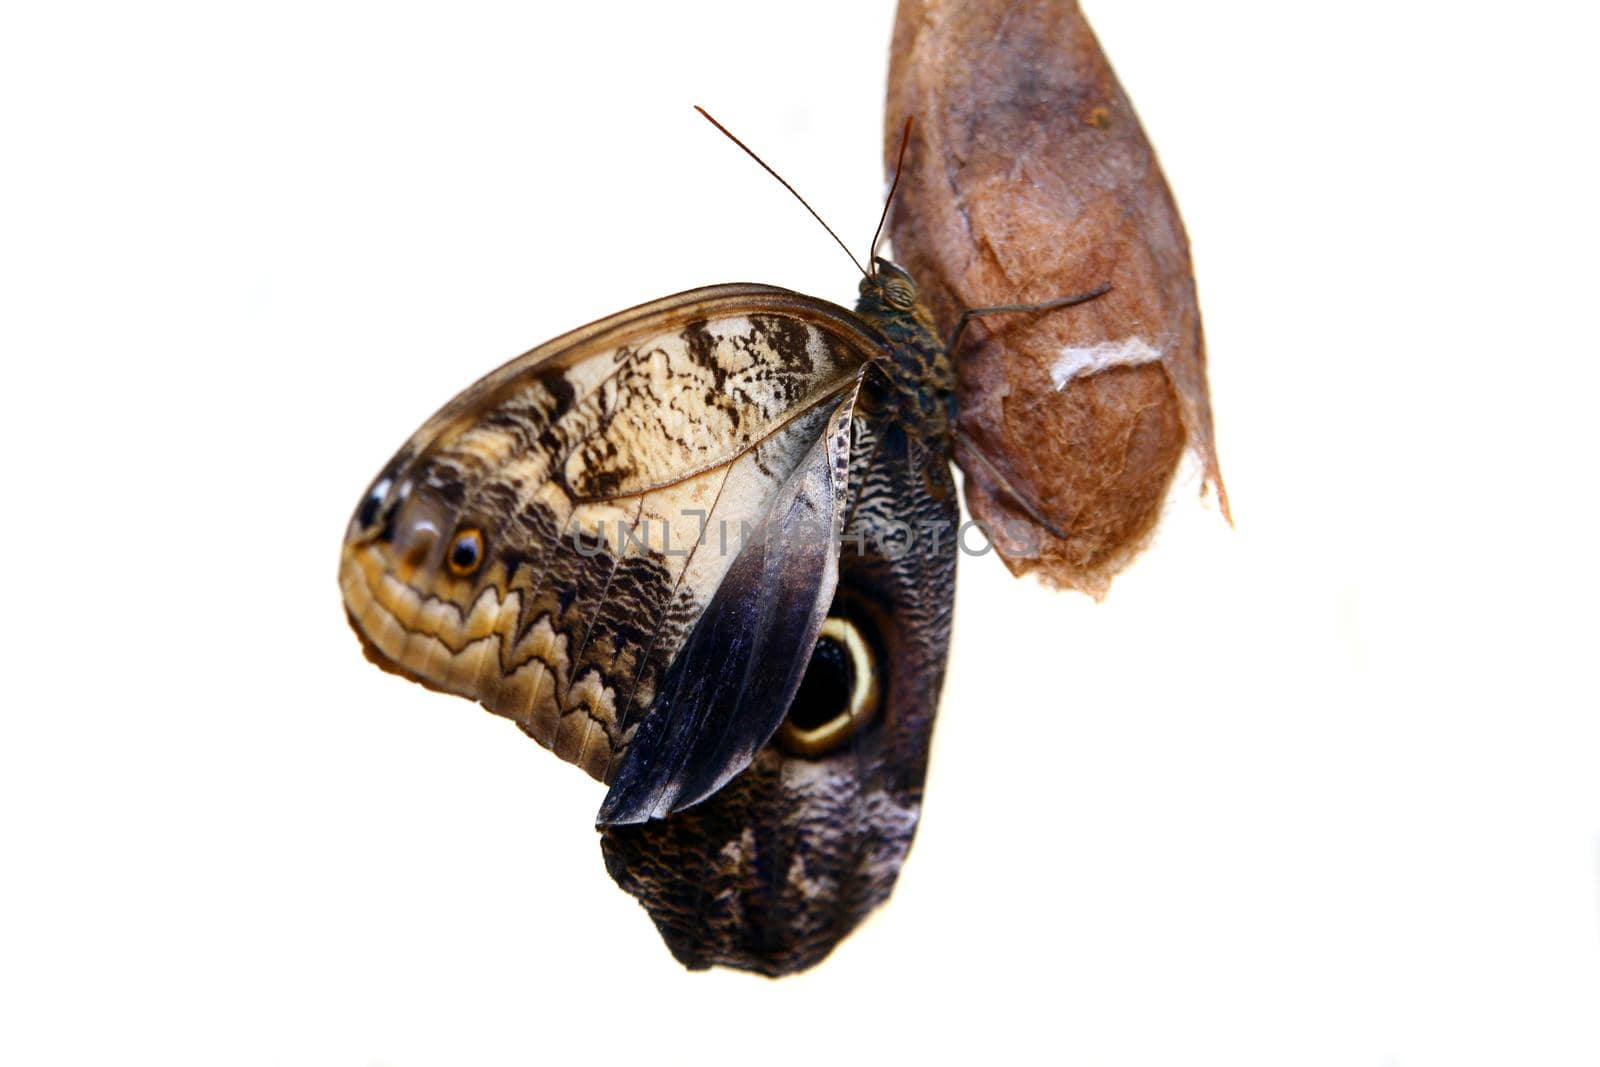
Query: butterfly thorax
(918, 366)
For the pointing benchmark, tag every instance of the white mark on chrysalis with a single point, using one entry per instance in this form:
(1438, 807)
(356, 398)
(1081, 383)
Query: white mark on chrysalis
(1076, 361)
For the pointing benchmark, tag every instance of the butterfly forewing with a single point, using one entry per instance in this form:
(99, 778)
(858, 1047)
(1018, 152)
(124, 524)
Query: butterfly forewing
(546, 542)
(731, 684)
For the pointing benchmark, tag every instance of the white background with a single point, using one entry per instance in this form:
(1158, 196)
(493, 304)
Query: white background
(1323, 789)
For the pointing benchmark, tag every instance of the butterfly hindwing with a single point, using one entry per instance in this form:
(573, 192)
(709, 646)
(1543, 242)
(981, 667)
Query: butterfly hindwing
(771, 871)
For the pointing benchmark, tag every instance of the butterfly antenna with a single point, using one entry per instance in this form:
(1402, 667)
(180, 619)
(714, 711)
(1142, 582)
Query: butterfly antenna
(725, 132)
(899, 163)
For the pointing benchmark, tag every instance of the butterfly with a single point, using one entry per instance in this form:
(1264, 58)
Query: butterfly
(705, 550)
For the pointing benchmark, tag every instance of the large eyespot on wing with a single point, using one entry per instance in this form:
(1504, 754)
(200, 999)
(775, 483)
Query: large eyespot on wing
(545, 543)
(773, 870)
(839, 694)
(733, 681)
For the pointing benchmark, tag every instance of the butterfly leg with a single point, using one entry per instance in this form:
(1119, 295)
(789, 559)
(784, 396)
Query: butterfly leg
(1004, 309)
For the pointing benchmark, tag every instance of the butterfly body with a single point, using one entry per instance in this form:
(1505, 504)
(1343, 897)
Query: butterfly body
(685, 548)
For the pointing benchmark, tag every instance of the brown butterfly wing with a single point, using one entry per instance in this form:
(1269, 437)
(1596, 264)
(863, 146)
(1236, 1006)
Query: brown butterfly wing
(598, 471)
(772, 871)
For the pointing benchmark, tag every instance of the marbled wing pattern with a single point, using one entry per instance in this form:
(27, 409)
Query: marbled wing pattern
(609, 477)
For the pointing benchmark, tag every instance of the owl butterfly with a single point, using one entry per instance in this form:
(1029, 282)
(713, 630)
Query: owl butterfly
(672, 547)
(704, 549)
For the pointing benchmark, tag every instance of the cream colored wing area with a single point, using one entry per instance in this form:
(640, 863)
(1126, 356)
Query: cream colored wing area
(662, 390)
(609, 493)
(687, 400)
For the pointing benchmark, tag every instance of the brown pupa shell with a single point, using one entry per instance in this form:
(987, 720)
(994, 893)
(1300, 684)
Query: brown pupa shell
(1027, 177)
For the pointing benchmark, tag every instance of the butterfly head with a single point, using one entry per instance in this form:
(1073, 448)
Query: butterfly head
(890, 284)
(889, 287)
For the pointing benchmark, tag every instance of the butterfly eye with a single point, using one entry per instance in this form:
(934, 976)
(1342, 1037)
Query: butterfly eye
(839, 694)
(900, 293)
(466, 551)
